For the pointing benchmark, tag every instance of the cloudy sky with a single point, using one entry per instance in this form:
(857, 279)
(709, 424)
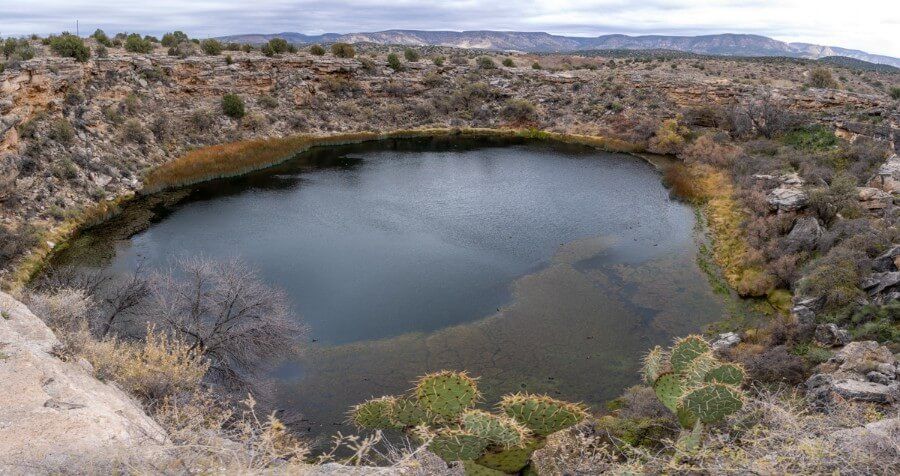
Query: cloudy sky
(870, 25)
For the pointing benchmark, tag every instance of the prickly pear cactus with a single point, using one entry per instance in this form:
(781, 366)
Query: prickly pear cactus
(446, 393)
(692, 383)
(375, 414)
(541, 414)
(488, 444)
(499, 430)
(712, 402)
(510, 460)
(453, 444)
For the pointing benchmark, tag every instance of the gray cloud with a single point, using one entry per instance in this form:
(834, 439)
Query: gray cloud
(870, 25)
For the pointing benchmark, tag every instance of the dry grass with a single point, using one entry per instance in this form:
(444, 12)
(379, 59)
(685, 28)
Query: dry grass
(725, 216)
(773, 434)
(236, 158)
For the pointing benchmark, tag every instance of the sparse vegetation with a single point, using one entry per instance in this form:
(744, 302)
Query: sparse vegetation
(411, 55)
(135, 44)
(393, 62)
(317, 50)
(343, 50)
(211, 47)
(233, 106)
(70, 46)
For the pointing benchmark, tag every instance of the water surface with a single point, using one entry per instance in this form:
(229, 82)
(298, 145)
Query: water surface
(538, 267)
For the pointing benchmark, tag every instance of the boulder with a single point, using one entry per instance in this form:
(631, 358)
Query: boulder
(55, 417)
(888, 176)
(889, 261)
(787, 198)
(726, 341)
(805, 234)
(867, 391)
(831, 335)
(877, 283)
(880, 439)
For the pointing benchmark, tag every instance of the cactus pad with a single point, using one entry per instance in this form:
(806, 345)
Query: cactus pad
(654, 364)
(500, 430)
(668, 390)
(511, 460)
(474, 469)
(729, 374)
(694, 374)
(712, 402)
(376, 413)
(408, 413)
(457, 444)
(446, 393)
(541, 414)
(687, 349)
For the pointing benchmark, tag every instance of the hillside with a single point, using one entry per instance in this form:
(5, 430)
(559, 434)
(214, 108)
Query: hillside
(727, 44)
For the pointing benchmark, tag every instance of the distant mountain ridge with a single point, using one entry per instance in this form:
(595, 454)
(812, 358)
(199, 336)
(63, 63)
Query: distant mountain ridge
(726, 44)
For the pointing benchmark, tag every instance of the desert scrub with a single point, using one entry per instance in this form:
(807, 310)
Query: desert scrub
(411, 55)
(393, 62)
(134, 43)
(233, 106)
(317, 50)
(70, 46)
(343, 50)
(509, 63)
(519, 111)
(669, 138)
(211, 47)
(485, 62)
(822, 78)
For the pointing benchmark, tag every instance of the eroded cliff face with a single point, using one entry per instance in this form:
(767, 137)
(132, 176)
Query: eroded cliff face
(55, 416)
(76, 134)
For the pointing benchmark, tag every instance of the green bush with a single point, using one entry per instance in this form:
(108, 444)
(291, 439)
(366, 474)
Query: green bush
(394, 62)
(279, 45)
(233, 106)
(101, 52)
(485, 62)
(246, 48)
(812, 138)
(821, 78)
(519, 111)
(61, 131)
(411, 55)
(317, 50)
(509, 63)
(101, 38)
(211, 46)
(535, 65)
(70, 46)
(343, 50)
(18, 50)
(895, 92)
(438, 60)
(174, 38)
(135, 44)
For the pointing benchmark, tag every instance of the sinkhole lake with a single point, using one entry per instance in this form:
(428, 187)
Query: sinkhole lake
(537, 267)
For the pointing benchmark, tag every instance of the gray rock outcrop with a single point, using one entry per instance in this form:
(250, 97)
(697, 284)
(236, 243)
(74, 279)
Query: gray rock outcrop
(55, 417)
(862, 371)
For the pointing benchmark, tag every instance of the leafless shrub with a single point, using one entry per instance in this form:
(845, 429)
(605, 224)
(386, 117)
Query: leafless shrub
(708, 150)
(768, 117)
(227, 313)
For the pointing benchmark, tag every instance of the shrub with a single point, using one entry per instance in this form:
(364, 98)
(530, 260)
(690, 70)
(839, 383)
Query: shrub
(411, 55)
(101, 38)
(183, 49)
(159, 367)
(682, 184)
(233, 106)
(708, 150)
(246, 48)
(535, 65)
(438, 60)
(101, 52)
(278, 45)
(15, 242)
(343, 50)
(519, 111)
(229, 60)
(267, 50)
(394, 63)
(61, 131)
(485, 62)
(201, 120)
(133, 131)
(174, 38)
(254, 122)
(811, 138)
(211, 46)
(669, 138)
(340, 86)
(836, 276)
(895, 92)
(509, 63)
(837, 198)
(70, 46)
(317, 50)
(459, 60)
(822, 78)
(135, 44)
(268, 102)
